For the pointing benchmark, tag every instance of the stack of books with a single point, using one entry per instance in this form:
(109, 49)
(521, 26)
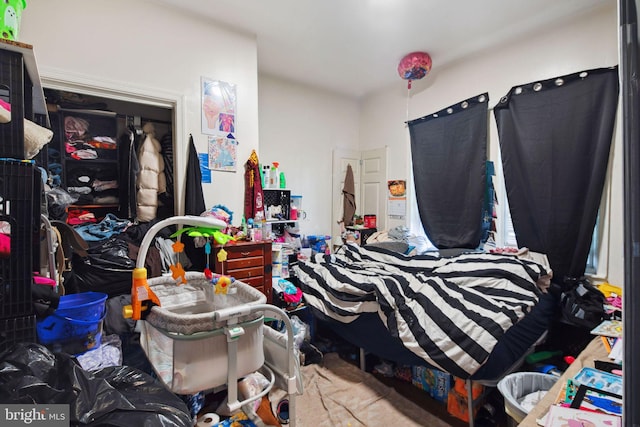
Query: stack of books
(594, 395)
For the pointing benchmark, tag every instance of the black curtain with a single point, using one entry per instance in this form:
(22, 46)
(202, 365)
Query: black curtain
(630, 73)
(555, 137)
(449, 152)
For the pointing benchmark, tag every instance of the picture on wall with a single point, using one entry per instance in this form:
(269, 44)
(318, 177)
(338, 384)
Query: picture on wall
(218, 107)
(222, 153)
(397, 198)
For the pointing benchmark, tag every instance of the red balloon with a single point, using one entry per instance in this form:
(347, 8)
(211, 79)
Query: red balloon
(414, 65)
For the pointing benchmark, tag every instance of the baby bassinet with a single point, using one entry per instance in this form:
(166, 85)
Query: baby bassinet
(194, 337)
(187, 341)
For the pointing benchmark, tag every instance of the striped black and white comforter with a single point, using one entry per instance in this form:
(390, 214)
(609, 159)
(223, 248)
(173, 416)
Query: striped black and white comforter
(451, 312)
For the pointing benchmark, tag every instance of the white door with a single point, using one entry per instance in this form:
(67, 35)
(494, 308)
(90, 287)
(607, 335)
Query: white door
(341, 159)
(373, 176)
(370, 175)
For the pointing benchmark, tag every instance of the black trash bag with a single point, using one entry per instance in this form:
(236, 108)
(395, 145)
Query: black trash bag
(117, 396)
(581, 303)
(107, 268)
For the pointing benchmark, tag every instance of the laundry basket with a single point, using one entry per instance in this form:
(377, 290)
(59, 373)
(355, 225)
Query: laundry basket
(195, 335)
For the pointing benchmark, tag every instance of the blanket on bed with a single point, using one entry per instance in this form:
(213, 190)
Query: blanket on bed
(451, 312)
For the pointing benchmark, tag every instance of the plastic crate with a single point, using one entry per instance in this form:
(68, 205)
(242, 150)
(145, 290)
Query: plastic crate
(14, 84)
(17, 330)
(17, 211)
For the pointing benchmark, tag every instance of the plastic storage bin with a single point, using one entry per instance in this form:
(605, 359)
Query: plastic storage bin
(515, 386)
(20, 215)
(76, 325)
(15, 84)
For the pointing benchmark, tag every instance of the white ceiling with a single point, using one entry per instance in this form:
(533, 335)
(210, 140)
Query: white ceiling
(353, 47)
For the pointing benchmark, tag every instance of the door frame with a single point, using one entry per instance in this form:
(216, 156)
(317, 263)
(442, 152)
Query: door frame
(122, 91)
(338, 179)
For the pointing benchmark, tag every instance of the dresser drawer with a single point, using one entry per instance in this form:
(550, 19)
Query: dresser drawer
(256, 282)
(238, 263)
(247, 272)
(236, 252)
(249, 262)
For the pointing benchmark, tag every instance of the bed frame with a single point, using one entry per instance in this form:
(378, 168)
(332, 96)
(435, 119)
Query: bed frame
(369, 334)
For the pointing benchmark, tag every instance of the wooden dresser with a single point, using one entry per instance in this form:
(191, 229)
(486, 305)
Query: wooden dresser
(249, 262)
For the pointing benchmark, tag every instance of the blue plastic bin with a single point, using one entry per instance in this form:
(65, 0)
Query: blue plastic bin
(77, 321)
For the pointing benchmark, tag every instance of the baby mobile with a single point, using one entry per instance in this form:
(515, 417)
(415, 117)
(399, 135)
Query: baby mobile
(414, 66)
(203, 237)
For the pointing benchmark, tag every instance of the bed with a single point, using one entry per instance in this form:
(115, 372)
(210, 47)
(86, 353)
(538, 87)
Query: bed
(473, 315)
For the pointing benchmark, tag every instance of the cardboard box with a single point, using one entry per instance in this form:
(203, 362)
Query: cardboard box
(458, 404)
(433, 381)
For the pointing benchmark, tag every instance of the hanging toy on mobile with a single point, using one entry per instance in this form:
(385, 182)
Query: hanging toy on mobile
(207, 250)
(206, 232)
(222, 283)
(177, 271)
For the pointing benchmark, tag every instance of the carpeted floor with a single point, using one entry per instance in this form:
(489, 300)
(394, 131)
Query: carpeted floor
(338, 394)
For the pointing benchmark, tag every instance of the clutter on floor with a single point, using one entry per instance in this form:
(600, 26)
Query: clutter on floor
(337, 393)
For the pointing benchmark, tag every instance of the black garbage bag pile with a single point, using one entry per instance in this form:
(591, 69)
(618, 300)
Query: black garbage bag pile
(117, 396)
(107, 268)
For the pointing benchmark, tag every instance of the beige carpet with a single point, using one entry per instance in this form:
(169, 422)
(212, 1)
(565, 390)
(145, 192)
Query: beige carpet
(338, 394)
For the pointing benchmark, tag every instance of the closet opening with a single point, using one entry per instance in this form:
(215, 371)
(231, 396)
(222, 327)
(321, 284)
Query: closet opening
(93, 159)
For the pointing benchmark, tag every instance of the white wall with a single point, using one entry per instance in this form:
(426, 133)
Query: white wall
(150, 50)
(299, 128)
(588, 41)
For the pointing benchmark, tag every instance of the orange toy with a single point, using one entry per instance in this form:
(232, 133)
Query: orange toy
(177, 271)
(142, 297)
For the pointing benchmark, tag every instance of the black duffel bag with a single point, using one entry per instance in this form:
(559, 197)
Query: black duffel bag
(581, 303)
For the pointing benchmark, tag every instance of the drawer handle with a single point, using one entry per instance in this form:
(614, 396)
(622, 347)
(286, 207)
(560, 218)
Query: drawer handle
(245, 253)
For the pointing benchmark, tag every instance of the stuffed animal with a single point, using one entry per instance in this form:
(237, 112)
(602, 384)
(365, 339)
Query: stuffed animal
(10, 23)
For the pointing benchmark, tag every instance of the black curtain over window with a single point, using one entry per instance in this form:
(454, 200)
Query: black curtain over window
(555, 137)
(449, 152)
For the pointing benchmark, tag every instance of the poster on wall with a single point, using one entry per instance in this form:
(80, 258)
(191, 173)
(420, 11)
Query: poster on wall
(223, 153)
(397, 198)
(218, 107)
